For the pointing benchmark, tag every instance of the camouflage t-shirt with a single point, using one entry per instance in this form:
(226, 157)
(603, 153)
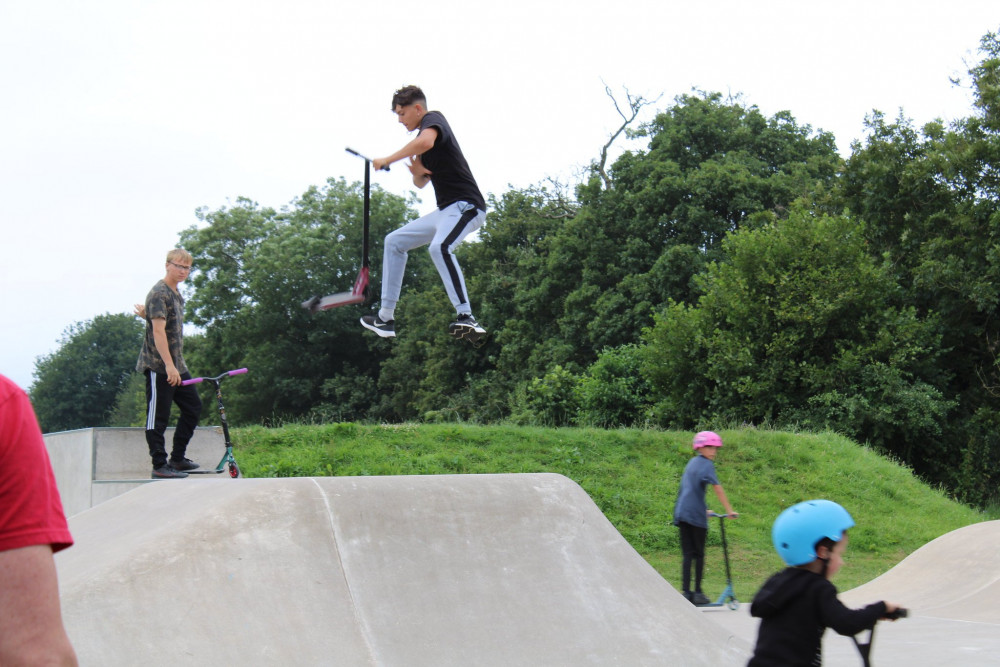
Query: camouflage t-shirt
(163, 302)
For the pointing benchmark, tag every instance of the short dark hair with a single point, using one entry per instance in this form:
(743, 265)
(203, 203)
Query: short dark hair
(825, 542)
(408, 95)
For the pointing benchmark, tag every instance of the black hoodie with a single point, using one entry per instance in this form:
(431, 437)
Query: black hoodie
(795, 607)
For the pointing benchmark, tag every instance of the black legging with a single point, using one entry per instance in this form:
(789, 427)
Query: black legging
(693, 549)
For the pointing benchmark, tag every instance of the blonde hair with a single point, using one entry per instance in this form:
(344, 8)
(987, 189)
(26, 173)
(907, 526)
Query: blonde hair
(179, 253)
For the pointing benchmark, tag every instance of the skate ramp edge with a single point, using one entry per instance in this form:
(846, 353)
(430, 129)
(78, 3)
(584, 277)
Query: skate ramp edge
(956, 577)
(950, 587)
(411, 570)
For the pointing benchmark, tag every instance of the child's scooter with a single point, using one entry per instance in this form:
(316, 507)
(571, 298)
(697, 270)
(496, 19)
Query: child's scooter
(866, 649)
(728, 596)
(234, 470)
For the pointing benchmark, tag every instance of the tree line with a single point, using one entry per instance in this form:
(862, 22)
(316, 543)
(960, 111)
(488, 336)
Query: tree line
(737, 270)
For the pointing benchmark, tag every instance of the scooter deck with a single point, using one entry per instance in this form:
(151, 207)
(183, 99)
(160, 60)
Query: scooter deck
(358, 294)
(318, 303)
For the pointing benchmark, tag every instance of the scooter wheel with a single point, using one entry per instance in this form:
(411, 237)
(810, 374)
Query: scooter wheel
(733, 604)
(234, 470)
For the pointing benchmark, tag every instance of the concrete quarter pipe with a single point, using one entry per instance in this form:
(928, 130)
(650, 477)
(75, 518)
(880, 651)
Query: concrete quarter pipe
(390, 571)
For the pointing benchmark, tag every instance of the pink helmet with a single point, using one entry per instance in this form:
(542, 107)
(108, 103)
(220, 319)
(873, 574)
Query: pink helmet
(707, 439)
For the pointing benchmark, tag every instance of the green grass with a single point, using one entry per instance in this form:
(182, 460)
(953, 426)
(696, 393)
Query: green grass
(633, 475)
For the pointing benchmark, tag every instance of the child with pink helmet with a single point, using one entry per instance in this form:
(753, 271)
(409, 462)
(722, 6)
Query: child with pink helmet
(691, 512)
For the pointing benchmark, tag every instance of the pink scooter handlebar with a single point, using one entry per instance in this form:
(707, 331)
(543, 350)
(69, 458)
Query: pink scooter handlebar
(238, 371)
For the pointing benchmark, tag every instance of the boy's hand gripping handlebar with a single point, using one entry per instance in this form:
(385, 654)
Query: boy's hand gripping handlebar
(366, 159)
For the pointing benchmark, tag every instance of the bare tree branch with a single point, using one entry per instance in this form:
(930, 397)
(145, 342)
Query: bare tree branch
(635, 106)
(562, 204)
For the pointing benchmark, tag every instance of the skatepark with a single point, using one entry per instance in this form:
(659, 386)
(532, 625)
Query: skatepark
(440, 570)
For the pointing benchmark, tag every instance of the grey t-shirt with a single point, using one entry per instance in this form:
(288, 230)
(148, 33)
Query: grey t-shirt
(690, 507)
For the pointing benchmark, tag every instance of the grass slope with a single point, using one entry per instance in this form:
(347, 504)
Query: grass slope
(633, 476)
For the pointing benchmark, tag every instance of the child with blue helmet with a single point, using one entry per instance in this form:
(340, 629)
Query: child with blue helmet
(691, 512)
(798, 604)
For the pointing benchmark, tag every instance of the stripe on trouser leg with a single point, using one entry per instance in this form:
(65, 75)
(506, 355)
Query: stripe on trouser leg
(151, 408)
(449, 259)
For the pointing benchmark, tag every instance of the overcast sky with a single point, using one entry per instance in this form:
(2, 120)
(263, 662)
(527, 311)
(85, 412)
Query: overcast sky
(119, 118)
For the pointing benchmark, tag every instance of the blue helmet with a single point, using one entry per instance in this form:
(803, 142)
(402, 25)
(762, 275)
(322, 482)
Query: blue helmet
(797, 530)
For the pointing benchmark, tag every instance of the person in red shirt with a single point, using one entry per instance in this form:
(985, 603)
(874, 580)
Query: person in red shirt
(32, 528)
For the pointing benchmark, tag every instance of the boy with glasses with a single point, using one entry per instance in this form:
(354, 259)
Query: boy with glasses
(162, 362)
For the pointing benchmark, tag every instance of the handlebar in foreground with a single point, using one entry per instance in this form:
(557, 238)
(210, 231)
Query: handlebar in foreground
(238, 371)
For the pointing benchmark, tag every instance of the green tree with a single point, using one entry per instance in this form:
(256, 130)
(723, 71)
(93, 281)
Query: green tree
(800, 326)
(129, 408)
(614, 392)
(931, 203)
(515, 271)
(254, 268)
(76, 386)
(711, 166)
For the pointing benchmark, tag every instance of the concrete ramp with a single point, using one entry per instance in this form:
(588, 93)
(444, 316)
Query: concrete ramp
(956, 576)
(390, 571)
(951, 587)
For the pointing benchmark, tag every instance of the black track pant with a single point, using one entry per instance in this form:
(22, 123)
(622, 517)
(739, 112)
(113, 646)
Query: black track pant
(693, 550)
(159, 397)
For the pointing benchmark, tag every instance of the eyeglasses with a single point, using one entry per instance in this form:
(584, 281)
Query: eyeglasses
(181, 266)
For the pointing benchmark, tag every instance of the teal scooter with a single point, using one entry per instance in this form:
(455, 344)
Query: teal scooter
(227, 461)
(728, 597)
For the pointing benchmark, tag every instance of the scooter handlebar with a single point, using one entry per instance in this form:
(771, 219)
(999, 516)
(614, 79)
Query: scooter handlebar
(366, 159)
(238, 371)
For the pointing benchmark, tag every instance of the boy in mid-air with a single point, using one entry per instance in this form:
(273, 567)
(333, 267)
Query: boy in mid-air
(435, 157)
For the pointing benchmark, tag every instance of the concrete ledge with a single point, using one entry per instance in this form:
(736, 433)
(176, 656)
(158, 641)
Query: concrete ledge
(85, 460)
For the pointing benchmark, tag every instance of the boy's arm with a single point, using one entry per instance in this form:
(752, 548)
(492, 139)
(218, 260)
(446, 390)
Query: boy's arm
(846, 621)
(419, 145)
(724, 500)
(29, 601)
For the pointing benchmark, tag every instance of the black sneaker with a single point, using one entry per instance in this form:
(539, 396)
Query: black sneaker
(166, 472)
(465, 327)
(700, 598)
(376, 324)
(183, 465)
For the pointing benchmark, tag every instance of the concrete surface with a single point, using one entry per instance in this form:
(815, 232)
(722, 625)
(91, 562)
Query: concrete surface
(951, 587)
(92, 465)
(391, 571)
